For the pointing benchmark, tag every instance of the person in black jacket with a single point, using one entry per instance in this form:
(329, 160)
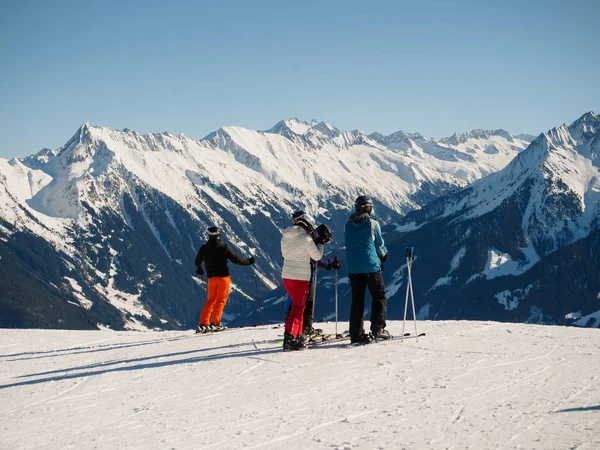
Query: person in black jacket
(215, 254)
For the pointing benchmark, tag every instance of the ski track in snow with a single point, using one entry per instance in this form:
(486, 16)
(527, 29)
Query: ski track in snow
(477, 385)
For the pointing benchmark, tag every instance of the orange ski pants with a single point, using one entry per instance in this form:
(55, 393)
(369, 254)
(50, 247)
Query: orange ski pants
(218, 292)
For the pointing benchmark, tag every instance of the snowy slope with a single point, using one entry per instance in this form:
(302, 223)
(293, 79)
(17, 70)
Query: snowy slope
(126, 212)
(480, 385)
(18, 185)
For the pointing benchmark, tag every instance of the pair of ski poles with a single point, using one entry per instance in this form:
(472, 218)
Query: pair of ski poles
(410, 257)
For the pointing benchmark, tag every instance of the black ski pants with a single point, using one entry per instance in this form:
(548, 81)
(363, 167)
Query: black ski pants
(359, 283)
(310, 306)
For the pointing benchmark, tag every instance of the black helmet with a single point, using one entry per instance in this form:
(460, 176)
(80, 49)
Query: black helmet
(324, 233)
(364, 203)
(296, 215)
(213, 232)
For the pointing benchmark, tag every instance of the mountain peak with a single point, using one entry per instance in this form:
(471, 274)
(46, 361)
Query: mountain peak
(293, 125)
(584, 128)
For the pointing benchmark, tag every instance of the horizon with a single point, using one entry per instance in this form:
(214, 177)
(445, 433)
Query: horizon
(434, 69)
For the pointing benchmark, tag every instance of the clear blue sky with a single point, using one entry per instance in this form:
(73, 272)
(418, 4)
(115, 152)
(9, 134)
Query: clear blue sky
(191, 67)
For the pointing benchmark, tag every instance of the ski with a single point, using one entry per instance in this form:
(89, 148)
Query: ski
(213, 331)
(392, 338)
(321, 339)
(327, 339)
(407, 336)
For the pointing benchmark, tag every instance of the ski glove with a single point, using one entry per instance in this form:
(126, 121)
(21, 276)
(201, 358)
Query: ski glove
(382, 260)
(252, 260)
(333, 265)
(200, 272)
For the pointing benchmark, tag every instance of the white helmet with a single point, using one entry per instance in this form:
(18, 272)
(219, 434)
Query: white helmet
(307, 221)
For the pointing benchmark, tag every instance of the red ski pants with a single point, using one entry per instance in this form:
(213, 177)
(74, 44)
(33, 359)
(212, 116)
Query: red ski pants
(298, 291)
(218, 292)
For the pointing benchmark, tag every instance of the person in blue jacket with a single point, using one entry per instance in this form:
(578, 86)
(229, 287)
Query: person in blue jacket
(365, 255)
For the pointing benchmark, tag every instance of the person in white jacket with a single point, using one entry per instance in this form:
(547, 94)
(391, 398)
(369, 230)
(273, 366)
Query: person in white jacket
(297, 249)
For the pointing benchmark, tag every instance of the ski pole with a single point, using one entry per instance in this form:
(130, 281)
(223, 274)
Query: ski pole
(315, 292)
(325, 311)
(407, 291)
(412, 296)
(258, 298)
(336, 301)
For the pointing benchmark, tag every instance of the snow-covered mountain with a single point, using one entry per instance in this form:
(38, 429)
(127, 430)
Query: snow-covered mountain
(522, 244)
(104, 229)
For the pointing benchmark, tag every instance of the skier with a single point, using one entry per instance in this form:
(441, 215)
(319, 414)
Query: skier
(365, 255)
(298, 249)
(307, 324)
(215, 254)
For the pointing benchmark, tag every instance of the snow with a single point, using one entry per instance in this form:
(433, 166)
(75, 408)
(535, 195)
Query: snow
(125, 302)
(510, 299)
(242, 170)
(404, 228)
(501, 264)
(18, 185)
(77, 292)
(320, 157)
(423, 312)
(454, 264)
(573, 315)
(592, 319)
(397, 280)
(480, 385)
(297, 126)
(563, 161)
(506, 299)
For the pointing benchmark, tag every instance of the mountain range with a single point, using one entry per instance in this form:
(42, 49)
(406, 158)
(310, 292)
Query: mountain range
(102, 232)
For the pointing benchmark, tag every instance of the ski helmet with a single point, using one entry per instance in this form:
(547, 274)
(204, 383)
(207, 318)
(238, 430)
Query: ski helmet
(324, 233)
(364, 203)
(297, 214)
(213, 232)
(307, 222)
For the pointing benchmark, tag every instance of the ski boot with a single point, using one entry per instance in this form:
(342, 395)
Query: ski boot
(292, 343)
(363, 339)
(218, 327)
(310, 331)
(202, 329)
(382, 334)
